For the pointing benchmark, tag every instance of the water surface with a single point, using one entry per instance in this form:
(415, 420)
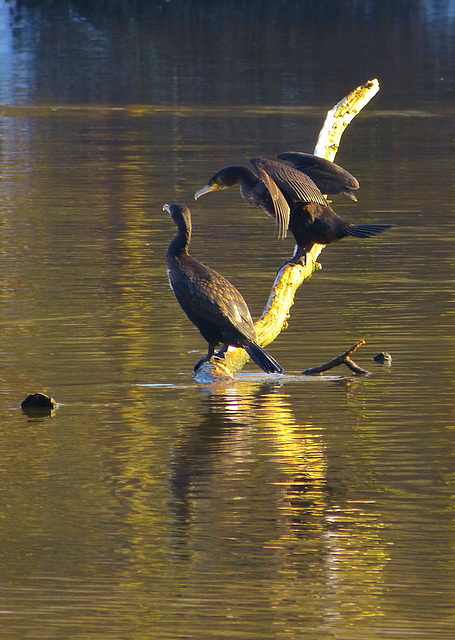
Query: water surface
(148, 506)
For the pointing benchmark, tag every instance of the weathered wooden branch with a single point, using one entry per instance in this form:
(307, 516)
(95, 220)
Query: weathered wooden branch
(343, 358)
(291, 276)
(341, 116)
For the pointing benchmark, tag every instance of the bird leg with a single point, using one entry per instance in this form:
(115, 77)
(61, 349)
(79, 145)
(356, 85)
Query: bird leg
(211, 352)
(299, 257)
(301, 261)
(206, 358)
(220, 354)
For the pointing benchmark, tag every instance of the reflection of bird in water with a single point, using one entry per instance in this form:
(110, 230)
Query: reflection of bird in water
(293, 199)
(329, 177)
(210, 301)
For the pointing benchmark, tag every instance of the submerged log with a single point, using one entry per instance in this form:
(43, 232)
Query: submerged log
(292, 276)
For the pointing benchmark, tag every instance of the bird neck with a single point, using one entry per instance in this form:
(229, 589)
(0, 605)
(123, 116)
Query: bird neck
(247, 177)
(179, 244)
(238, 174)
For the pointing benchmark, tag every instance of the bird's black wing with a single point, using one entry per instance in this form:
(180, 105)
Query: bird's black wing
(213, 298)
(294, 184)
(279, 203)
(321, 170)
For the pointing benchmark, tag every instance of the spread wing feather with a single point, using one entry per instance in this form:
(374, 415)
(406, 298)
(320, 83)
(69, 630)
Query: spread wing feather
(294, 184)
(279, 202)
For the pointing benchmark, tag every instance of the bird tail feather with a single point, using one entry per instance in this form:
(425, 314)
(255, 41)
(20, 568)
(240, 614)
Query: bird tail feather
(262, 358)
(367, 230)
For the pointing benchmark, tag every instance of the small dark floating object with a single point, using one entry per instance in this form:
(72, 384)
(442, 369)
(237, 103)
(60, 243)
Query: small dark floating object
(38, 404)
(383, 358)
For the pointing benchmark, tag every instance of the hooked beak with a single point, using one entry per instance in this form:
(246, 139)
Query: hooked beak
(207, 189)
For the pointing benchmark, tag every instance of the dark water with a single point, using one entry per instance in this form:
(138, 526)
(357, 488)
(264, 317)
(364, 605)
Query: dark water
(147, 506)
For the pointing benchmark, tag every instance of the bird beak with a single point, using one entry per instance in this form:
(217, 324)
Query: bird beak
(167, 208)
(206, 189)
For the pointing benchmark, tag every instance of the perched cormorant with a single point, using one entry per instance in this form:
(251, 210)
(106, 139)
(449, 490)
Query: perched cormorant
(210, 301)
(329, 177)
(294, 200)
(261, 189)
(311, 220)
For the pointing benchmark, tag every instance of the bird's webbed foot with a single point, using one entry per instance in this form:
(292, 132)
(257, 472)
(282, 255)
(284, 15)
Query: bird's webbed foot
(294, 260)
(206, 358)
(219, 355)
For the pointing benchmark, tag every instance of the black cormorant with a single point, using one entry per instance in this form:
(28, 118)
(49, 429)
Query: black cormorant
(329, 177)
(311, 220)
(294, 200)
(260, 189)
(210, 301)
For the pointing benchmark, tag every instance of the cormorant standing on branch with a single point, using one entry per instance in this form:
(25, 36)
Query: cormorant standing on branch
(329, 177)
(293, 199)
(210, 301)
(272, 193)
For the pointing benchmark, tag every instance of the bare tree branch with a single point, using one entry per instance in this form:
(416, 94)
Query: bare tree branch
(291, 276)
(343, 358)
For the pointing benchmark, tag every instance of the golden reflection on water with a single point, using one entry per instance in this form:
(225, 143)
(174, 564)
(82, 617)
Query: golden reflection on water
(252, 510)
(293, 531)
(219, 496)
(349, 543)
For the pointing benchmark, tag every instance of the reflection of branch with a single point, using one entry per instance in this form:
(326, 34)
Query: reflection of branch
(343, 358)
(291, 276)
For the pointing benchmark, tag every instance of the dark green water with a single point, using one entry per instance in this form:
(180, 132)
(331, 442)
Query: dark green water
(148, 506)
